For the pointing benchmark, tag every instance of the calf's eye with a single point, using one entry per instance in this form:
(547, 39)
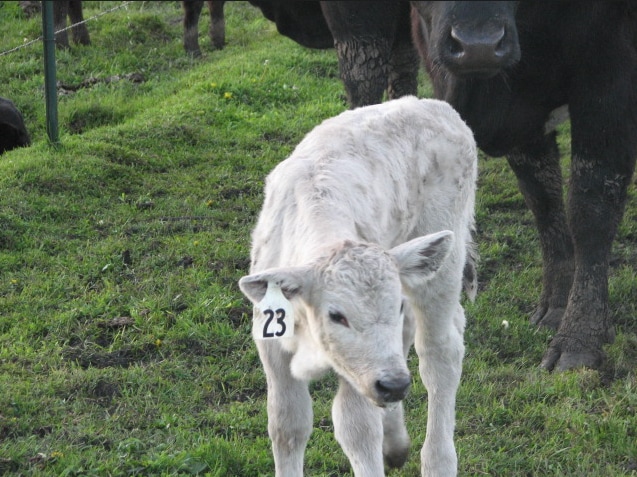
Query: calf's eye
(337, 317)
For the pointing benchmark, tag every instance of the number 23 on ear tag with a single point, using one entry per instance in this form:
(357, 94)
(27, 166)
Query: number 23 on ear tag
(276, 319)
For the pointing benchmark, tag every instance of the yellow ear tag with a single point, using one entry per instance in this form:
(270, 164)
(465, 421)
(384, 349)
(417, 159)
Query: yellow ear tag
(276, 319)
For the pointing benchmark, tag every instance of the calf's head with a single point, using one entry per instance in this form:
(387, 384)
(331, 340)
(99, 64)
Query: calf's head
(350, 304)
(476, 39)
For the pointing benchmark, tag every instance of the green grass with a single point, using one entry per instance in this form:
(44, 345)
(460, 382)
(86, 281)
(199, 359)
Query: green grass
(125, 343)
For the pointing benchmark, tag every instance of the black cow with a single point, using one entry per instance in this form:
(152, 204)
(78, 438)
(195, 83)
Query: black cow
(505, 66)
(13, 132)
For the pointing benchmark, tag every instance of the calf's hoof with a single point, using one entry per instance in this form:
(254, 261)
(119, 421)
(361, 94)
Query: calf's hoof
(397, 458)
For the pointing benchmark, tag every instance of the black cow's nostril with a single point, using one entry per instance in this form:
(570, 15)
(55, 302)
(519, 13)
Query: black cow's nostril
(502, 47)
(393, 389)
(455, 44)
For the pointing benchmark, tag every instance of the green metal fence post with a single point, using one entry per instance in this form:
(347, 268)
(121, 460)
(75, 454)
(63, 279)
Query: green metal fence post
(50, 81)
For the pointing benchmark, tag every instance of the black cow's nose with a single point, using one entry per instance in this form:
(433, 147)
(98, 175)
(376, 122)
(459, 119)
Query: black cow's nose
(485, 43)
(393, 389)
(479, 51)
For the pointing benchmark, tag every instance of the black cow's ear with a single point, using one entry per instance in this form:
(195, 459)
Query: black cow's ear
(420, 258)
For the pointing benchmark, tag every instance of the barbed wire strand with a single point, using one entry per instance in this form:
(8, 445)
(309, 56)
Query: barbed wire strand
(40, 38)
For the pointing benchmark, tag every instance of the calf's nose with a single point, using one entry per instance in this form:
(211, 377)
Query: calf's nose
(393, 389)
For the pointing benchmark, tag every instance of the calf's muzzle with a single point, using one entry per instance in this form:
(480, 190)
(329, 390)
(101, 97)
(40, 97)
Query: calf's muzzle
(393, 389)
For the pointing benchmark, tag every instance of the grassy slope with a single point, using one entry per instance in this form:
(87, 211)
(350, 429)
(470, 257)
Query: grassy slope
(124, 341)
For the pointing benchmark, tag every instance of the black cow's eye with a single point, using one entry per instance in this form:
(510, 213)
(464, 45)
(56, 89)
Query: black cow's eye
(337, 317)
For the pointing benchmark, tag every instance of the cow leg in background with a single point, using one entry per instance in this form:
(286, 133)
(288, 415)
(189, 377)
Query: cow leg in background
(404, 60)
(74, 10)
(364, 68)
(358, 429)
(439, 343)
(60, 11)
(537, 167)
(80, 32)
(366, 35)
(403, 70)
(289, 410)
(217, 25)
(604, 146)
(192, 11)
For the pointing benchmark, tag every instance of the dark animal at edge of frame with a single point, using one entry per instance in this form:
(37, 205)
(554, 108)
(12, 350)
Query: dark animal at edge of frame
(13, 132)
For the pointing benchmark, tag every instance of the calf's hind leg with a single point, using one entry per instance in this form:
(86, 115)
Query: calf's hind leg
(358, 429)
(396, 441)
(395, 438)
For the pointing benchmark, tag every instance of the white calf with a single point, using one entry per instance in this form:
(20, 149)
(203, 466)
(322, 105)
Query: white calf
(370, 206)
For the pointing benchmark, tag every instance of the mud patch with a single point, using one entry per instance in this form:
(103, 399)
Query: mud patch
(102, 392)
(193, 347)
(8, 465)
(87, 356)
(240, 316)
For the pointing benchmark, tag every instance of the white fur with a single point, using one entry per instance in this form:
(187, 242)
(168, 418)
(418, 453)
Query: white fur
(373, 209)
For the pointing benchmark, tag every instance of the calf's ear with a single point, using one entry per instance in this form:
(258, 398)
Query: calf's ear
(293, 282)
(419, 259)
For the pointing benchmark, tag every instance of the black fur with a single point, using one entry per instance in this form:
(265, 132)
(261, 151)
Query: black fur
(13, 132)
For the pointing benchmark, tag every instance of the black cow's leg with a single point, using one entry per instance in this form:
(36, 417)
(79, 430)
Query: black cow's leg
(364, 68)
(403, 71)
(80, 31)
(192, 11)
(537, 167)
(217, 25)
(604, 146)
(60, 10)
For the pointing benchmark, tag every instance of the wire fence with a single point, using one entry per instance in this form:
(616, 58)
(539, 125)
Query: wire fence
(40, 38)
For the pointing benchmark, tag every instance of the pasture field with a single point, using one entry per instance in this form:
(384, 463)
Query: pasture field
(125, 344)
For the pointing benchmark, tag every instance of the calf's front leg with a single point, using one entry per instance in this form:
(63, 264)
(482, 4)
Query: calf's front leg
(440, 349)
(289, 410)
